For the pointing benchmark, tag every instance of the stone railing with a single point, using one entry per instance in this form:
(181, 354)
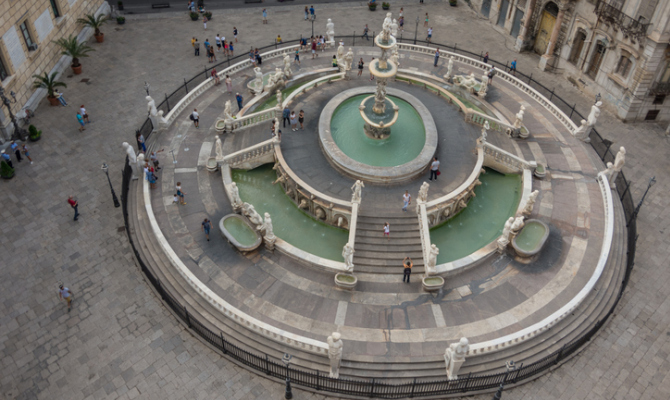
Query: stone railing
(504, 161)
(311, 84)
(547, 323)
(424, 229)
(477, 118)
(253, 156)
(253, 119)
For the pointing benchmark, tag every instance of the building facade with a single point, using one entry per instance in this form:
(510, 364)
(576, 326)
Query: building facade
(616, 48)
(27, 29)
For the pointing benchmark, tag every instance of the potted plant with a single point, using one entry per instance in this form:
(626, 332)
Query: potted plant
(452, 3)
(194, 16)
(6, 171)
(385, 6)
(95, 23)
(208, 14)
(71, 47)
(372, 6)
(49, 83)
(33, 134)
(120, 20)
(120, 5)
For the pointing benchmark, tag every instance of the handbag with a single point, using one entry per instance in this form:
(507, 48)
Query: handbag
(437, 173)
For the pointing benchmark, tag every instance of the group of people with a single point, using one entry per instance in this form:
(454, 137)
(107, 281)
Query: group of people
(293, 119)
(222, 45)
(18, 152)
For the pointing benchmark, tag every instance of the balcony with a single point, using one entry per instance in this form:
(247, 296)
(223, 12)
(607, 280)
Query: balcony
(660, 88)
(631, 28)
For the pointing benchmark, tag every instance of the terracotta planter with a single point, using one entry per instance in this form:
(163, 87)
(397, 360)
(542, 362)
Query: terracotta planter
(100, 38)
(53, 100)
(77, 69)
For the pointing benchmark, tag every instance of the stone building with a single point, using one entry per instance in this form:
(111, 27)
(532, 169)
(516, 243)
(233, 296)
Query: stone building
(616, 48)
(27, 29)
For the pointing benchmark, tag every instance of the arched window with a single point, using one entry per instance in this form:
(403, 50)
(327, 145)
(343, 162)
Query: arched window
(597, 58)
(624, 65)
(577, 46)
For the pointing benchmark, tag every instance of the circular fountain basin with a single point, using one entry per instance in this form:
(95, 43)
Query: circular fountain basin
(531, 239)
(389, 72)
(238, 231)
(405, 154)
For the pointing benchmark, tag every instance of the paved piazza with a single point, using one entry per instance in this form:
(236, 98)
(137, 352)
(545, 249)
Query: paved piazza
(120, 341)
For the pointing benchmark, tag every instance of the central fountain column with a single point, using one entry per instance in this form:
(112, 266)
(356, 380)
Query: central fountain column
(384, 111)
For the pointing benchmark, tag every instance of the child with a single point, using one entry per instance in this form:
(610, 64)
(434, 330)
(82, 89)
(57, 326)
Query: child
(387, 231)
(175, 200)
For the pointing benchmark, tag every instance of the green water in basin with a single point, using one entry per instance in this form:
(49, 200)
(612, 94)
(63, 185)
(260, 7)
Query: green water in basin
(530, 236)
(240, 231)
(271, 102)
(289, 222)
(481, 222)
(405, 143)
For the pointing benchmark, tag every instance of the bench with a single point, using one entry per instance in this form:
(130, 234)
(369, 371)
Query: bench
(160, 5)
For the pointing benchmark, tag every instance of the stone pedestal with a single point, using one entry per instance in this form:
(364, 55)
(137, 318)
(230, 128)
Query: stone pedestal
(546, 61)
(374, 132)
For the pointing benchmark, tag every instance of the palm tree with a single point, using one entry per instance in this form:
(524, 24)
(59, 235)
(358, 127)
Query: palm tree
(94, 22)
(71, 47)
(47, 82)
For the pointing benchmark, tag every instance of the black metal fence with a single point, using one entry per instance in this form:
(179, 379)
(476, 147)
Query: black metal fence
(389, 388)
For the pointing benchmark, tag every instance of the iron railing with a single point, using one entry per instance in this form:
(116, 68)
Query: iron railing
(398, 387)
(631, 28)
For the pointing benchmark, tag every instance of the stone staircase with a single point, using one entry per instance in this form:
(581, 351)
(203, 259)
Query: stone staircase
(377, 255)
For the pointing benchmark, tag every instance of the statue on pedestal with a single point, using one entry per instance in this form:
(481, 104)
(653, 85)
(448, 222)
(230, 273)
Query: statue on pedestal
(235, 197)
(258, 82)
(348, 60)
(252, 214)
(582, 132)
(287, 67)
(530, 203)
(423, 192)
(454, 357)
(468, 82)
(450, 68)
(483, 86)
(519, 118)
(132, 159)
(619, 162)
(356, 188)
(268, 233)
(432, 260)
(503, 241)
(348, 255)
(335, 346)
(153, 112)
(394, 28)
(330, 32)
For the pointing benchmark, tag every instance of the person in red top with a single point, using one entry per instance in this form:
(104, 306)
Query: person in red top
(74, 204)
(314, 48)
(215, 77)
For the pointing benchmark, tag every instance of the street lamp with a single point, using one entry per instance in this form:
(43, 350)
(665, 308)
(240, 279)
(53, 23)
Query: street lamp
(312, 20)
(288, 395)
(147, 87)
(639, 205)
(174, 160)
(19, 133)
(416, 30)
(106, 169)
(510, 366)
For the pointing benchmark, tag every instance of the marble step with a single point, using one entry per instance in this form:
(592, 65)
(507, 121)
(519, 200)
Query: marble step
(376, 234)
(393, 246)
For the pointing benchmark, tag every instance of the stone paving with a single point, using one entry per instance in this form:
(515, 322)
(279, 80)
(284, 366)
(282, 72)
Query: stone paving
(120, 342)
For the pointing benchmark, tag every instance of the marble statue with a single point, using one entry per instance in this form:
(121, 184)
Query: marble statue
(153, 112)
(594, 114)
(485, 130)
(266, 228)
(258, 82)
(218, 149)
(335, 346)
(394, 27)
(432, 260)
(140, 163)
(423, 192)
(348, 255)
(454, 357)
(279, 99)
(619, 162)
(349, 60)
(330, 32)
(450, 68)
(517, 224)
(386, 28)
(340, 57)
(276, 80)
(519, 118)
(530, 203)
(582, 132)
(252, 214)
(132, 159)
(356, 195)
(483, 86)
(503, 241)
(162, 121)
(395, 56)
(235, 197)
(468, 82)
(287, 66)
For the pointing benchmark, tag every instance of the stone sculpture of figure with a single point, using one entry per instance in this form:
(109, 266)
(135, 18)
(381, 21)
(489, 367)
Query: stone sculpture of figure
(279, 99)
(594, 114)
(485, 130)
(132, 158)
(258, 82)
(619, 162)
(235, 197)
(330, 32)
(394, 28)
(519, 118)
(218, 149)
(349, 60)
(530, 203)
(228, 111)
(517, 224)
(450, 68)
(340, 57)
(335, 346)
(423, 192)
(483, 86)
(395, 56)
(356, 195)
(386, 28)
(348, 255)
(432, 260)
(503, 241)
(468, 82)
(287, 66)
(162, 121)
(140, 163)
(454, 357)
(266, 228)
(609, 172)
(153, 112)
(582, 132)
(252, 214)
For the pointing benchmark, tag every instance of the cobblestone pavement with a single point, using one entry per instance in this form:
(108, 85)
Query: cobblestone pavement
(120, 342)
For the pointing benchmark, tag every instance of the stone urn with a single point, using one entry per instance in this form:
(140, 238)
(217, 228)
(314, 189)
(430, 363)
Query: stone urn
(212, 165)
(540, 171)
(432, 283)
(345, 281)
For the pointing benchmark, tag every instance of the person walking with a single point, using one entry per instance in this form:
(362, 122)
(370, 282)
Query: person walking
(239, 99)
(206, 226)
(229, 84)
(296, 59)
(387, 231)
(265, 16)
(196, 47)
(407, 263)
(491, 73)
(80, 119)
(141, 143)
(235, 33)
(306, 13)
(430, 34)
(293, 119)
(401, 22)
(434, 169)
(361, 63)
(314, 55)
(65, 294)
(286, 115)
(406, 200)
(154, 158)
(24, 148)
(312, 12)
(204, 21)
(17, 151)
(84, 114)
(301, 119)
(6, 158)
(181, 194)
(425, 24)
(215, 76)
(60, 97)
(365, 32)
(512, 67)
(75, 205)
(195, 117)
(437, 57)
(486, 58)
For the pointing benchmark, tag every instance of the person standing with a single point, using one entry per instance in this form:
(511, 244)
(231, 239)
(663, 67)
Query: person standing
(215, 76)
(217, 39)
(365, 32)
(301, 119)
(306, 13)
(286, 116)
(361, 63)
(26, 153)
(229, 84)
(206, 226)
(196, 46)
(235, 33)
(406, 200)
(296, 59)
(154, 158)
(7, 158)
(80, 119)
(401, 22)
(17, 151)
(141, 142)
(239, 99)
(181, 194)
(430, 34)
(75, 205)
(425, 24)
(312, 12)
(434, 169)
(387, 231)
(195, 117)
(278, 39)
(65, 294)
(193, 41)
(60, 97)
(293, 119)
(230, 48)
(84, 114)
(407, 263)
(486, 58)
(204, 21)
(334, 61)
(437, 57)
(314, 55)
(512, 67)
(265, 16)
(491, 73)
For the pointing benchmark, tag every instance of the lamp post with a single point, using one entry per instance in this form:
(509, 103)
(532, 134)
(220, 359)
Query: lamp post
(288, 395)
(510, 366)
(416, 29)
(651, 183)
(147, 87)
(312, 20)
(19, 133)
(106, 169)
(174, 160)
